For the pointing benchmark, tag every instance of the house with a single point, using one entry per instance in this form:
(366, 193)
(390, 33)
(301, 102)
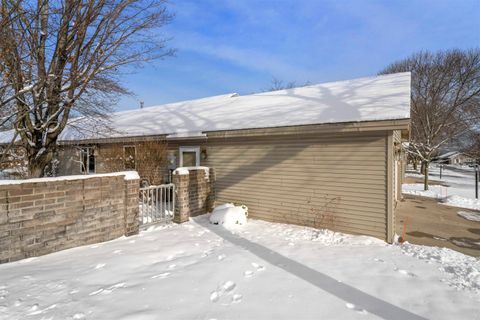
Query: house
(453, 157)
(327, 155)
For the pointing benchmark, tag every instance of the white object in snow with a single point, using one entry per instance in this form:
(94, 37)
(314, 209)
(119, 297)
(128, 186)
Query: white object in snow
(229, 216)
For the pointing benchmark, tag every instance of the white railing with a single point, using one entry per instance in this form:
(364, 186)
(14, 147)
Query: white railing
(157, 203)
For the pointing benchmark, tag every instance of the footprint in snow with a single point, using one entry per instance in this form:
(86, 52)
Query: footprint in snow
(229, 286)
(100, 265)
(36, 311)
(172, 266)
(225, 288)
(237, 298)
(351, 306)
(248, 274)
(3, 294)
(406, 273)
(378, 260)
(161, 275)
(117, 251)
(206, 253)
(79, 315)
(258, 267)
(221, 257)
(108, 290)
(34, 307)
(214, 296)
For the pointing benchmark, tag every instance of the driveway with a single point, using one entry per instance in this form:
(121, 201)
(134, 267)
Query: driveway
(428, 222)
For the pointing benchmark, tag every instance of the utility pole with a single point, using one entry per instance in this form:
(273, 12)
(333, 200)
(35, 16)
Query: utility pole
(477, 174)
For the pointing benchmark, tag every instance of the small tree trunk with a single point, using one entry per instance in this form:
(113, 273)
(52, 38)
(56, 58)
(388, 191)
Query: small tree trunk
(422, 167)
(35, 170)
(38, 163)
(415, 165)
(425, 181)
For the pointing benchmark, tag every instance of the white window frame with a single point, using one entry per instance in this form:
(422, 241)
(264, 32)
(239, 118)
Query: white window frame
(190, 149)
(86, 168)
(135, 148)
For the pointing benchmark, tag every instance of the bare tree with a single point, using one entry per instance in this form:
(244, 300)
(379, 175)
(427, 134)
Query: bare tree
(277, 84)
(62, 59)
(445, 99)
(472, 145)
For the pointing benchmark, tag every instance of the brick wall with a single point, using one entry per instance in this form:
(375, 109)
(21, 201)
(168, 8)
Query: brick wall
(195, 193)
(41, 216)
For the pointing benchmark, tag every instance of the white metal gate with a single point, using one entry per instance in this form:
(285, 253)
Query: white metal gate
(157, 203)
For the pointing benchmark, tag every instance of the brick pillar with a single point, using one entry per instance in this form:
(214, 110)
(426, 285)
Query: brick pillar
(182, 199)
(132, 225)
(211, 190)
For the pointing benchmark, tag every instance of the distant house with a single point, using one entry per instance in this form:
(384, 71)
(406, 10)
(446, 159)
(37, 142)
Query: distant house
(453, 157)
(327, 155)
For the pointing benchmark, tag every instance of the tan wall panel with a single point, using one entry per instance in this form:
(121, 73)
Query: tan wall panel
(333, 181)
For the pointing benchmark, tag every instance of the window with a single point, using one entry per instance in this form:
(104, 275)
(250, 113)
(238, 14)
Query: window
(87, 160)
(129, 154)
(189, 156)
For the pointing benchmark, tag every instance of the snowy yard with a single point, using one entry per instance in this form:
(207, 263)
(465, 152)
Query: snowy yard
(458, 192)
(261, 270)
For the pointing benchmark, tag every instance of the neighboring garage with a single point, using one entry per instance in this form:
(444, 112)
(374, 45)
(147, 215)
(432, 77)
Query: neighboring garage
(326, 155)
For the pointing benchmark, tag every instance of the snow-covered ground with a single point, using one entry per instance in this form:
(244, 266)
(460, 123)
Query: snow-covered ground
(260, 270)
(459, 190)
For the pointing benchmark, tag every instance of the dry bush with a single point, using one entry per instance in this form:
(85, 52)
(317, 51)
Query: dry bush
(13, 163)
(110, 157)
(324, 216)
(150, 159)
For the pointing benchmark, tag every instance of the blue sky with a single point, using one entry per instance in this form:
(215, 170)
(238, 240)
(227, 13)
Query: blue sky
(238, 46)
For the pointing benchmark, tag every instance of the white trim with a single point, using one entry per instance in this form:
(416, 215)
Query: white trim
(87, 167)
(190, 149)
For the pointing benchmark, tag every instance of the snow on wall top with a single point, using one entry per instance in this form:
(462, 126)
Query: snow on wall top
(383, 97)
(129, 175)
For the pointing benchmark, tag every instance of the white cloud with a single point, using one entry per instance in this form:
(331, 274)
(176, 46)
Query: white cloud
(251, 58)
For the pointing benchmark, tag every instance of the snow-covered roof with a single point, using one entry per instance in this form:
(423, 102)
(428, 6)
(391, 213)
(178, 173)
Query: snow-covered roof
(385, 97)
(448, 155)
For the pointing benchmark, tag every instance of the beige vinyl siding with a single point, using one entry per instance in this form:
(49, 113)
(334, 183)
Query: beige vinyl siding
(336, 181)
